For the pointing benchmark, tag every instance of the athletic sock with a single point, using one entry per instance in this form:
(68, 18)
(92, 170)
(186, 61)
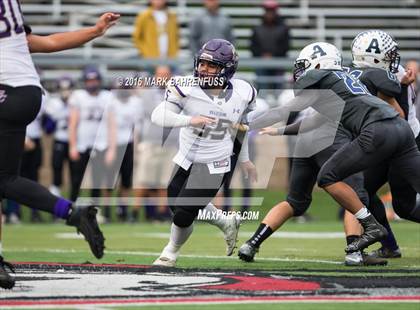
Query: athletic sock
(362, 213)
(263, 232)
(179, 235)
(62, 208)
(351, 238)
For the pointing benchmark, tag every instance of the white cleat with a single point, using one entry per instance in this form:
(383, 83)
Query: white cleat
(164, 262)
(231, 233)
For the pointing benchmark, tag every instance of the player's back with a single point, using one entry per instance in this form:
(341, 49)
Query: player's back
(16, 66)
(360, 107)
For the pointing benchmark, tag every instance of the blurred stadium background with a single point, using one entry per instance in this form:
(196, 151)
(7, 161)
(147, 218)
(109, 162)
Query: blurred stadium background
(335, 21)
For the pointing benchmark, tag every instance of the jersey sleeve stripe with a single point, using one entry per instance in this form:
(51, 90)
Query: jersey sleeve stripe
(175, 103)
(179, 91)
(253, 95)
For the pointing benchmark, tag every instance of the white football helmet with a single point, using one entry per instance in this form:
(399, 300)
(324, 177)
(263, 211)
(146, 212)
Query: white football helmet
(318, 55)
(377, 49)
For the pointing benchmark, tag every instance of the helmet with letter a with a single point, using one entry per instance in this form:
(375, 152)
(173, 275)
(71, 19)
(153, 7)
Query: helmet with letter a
(318, 55)
(218, 52)
(375, 49)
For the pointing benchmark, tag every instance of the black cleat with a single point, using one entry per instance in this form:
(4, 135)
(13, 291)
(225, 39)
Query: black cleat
(84, 219)
(247, 252)
(6, 281)
(373, 231)
(386, 253)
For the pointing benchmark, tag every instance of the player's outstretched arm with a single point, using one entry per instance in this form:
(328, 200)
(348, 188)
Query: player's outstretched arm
(68, 40)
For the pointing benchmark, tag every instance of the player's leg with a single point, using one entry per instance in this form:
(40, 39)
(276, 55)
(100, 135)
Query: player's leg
(302, 180)
(188, 192)
(377, 142)
(375, 177)
(180, 231)
(15, 113)
(60, 151)
(6, 281)
(126, 173)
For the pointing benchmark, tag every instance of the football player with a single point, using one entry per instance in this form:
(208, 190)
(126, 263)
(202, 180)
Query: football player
(92, 130)
(303, 175)
(20, 101)
(206, 107)
(380, 134)
(57, 109)
(376, 64)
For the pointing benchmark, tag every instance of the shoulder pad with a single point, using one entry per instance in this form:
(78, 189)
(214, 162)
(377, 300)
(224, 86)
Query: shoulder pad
(245, 89)
(181, 86)
(310, 78)
(383, 80)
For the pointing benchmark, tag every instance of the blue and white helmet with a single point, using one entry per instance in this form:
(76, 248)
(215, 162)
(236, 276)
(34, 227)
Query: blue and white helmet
(318, 55)
(220, 52)
(375, 49)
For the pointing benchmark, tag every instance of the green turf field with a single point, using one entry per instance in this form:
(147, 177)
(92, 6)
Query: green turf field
(322, 250)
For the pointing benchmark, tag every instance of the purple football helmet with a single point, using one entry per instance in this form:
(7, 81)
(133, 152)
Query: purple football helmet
(220, 52)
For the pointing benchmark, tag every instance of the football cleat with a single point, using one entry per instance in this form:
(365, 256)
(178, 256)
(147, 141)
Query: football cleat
(362, 259)
(84, 219)
(386, 253)
(6, 280)
(164, 262)
(247, 252)
(231, 233)
(373, 231)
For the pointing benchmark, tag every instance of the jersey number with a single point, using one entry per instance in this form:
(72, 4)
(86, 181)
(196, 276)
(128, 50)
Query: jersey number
(217, 133)
(352, 82)
(6, 24)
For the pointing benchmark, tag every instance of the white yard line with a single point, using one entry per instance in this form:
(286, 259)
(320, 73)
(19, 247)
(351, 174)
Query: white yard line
(141, 253)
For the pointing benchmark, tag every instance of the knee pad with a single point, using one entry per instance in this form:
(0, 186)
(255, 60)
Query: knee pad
(299, 207)
(182, 218)
(326, 178)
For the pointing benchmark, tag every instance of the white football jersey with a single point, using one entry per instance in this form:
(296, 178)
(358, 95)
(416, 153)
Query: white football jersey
(411, 118)
(34, 129)
(91, 131)
(16, 66)
(213, 143)
(58, 110)
(127, 116)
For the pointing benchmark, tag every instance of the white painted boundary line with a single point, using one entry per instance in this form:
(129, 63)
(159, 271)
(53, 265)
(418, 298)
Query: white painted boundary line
(141, 253)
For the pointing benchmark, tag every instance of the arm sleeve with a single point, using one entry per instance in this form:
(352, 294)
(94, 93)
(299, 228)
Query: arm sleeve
(402, 99)
(244, 154)
(166, 114)
(279, 114)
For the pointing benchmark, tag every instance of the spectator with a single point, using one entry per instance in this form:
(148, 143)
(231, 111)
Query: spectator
(414, 66)
(156, 31)
(210, 24)
(270, 39)
(58, 110)
(92, 133)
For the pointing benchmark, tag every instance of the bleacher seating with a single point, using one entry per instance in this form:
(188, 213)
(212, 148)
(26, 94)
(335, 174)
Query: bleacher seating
(336, 21)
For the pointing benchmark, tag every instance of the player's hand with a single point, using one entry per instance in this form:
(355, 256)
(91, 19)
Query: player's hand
(109, 157)
(201, 121)
(240, 127)
(29, 144)
(74, 154)
(105, 22)
(249, 170)
(409, 77)
(271, 131)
